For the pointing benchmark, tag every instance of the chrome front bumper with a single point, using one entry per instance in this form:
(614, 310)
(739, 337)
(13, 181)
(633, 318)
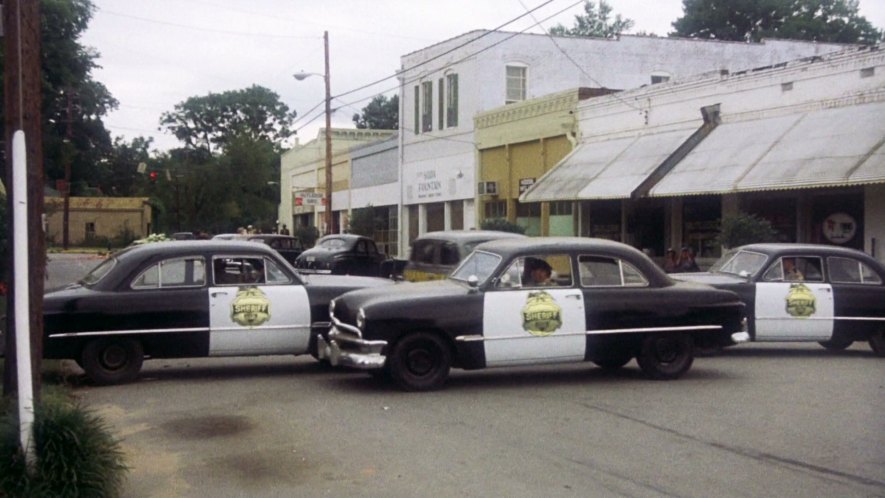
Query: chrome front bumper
(342, 349)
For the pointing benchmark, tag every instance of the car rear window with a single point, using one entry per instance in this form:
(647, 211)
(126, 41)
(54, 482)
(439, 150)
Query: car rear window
(851, 271)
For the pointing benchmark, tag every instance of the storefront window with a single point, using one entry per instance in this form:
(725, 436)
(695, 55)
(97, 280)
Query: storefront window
(700, 229)
(528, 216)
(605, 220)
(780, 212)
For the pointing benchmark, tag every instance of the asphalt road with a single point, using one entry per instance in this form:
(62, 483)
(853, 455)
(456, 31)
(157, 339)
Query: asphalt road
(759, 420)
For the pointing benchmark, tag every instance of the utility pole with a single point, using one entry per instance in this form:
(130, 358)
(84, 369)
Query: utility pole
(22, 98)
(67, 186)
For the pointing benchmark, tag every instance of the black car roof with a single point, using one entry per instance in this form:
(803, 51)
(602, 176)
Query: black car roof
(171, 248)
(469, 235)
(773, 248)
(533, 244)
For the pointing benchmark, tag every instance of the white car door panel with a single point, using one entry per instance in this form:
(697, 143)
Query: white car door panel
(534, 326)
(794, 311)
(258, 319)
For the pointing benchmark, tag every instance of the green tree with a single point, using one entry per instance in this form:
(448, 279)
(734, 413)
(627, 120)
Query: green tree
(501, 225)
(744, 229)
(67, 67)
(364, 222)
(120, 176)
(380, 114)
(835, 21)
(209, 123)
(598, 23)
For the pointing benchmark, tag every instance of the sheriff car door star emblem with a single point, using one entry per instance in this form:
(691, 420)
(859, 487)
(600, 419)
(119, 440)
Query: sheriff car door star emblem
(541, 316)
(800, 301)
(250, 308)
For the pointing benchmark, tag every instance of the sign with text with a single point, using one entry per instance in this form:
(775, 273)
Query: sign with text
(525, 183)
(308, 199)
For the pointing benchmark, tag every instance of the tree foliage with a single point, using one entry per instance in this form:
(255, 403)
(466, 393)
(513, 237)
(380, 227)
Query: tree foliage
(834, 21)
(597, 23)
(363, 221)
(744, 229)
(71, 98)
(380, 114)
(211, 122)
(501, 225)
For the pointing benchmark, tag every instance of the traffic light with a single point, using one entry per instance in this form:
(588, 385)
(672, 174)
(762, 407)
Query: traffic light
(152, 176)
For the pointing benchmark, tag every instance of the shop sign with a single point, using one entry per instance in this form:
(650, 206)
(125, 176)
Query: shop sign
(525, 183)
(839, 228)
(308, 199)
(429, 186)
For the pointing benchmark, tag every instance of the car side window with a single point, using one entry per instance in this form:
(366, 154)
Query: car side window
(449, 254)
(371, 247)
(242, 270)
(851, 271)
(179, 272)
(538, 271)
(422, 252)
(604, 271)
(795, 269)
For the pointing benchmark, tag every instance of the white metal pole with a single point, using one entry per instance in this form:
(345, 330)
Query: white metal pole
(22, 301)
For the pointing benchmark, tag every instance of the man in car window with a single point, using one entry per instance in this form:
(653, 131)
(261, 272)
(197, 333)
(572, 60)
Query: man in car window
(791, 273)
(537, 273)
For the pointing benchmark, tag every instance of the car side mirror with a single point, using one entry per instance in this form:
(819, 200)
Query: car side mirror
(473, 282)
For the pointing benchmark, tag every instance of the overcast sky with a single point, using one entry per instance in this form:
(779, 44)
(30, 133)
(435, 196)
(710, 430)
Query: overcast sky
(155, 54)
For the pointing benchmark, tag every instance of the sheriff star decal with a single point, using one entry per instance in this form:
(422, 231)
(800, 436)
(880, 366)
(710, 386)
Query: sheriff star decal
(541, 316)
(250, 308)
(800, 301)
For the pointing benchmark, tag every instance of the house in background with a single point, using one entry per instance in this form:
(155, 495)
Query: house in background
(443, 86)
(97, 219)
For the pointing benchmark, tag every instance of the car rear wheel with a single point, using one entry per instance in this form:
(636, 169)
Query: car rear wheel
(420, 362)
(112, 361)
(877, 342)
(666, 356)
(836, 344)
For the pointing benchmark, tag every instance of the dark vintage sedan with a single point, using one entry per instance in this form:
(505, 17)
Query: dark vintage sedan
(533, 301)
(435, 254)
(289, 247)
(805, 292)
(343, 254)
(188, 299)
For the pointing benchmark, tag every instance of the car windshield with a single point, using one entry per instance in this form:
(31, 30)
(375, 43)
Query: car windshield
(479, 264)
(99, 272)
(741, 263)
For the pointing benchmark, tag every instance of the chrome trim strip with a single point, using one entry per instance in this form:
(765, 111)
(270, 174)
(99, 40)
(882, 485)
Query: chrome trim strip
(476, 337)
(324, 325)
(173, 331)
(128, 332)
(846, 318)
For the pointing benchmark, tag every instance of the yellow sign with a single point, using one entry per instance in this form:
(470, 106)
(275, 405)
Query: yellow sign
(250, 308)
(800, 301)
(541, 316)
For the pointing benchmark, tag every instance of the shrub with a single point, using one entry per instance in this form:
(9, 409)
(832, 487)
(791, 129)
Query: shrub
(307, 235)
(76, 454)
(501, 225)
(745, 229)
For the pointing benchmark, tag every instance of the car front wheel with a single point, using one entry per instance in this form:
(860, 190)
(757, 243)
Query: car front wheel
(112, 361)
(877, 342)
(666, 356)
(420, 362)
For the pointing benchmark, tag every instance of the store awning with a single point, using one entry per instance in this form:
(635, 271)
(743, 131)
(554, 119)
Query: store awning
(820, 148)
(606, 169)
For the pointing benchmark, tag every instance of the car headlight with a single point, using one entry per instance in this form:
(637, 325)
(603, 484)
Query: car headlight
(361, 319)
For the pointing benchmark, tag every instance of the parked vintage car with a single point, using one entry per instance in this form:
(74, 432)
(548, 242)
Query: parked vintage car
(343, 254)
(435, 254)
(805, 292)
(289, 247)
(188, 299)
(532, 301)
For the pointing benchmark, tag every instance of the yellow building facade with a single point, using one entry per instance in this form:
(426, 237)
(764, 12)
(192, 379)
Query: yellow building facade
(516, 145)
(97, 218)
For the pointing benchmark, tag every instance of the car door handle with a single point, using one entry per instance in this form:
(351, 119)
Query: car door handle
(218, 293)
(573, 296)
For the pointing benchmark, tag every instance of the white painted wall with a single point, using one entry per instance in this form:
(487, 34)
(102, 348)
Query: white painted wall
(874, 221)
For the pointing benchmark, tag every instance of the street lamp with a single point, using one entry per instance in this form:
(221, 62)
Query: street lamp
(301, 76)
